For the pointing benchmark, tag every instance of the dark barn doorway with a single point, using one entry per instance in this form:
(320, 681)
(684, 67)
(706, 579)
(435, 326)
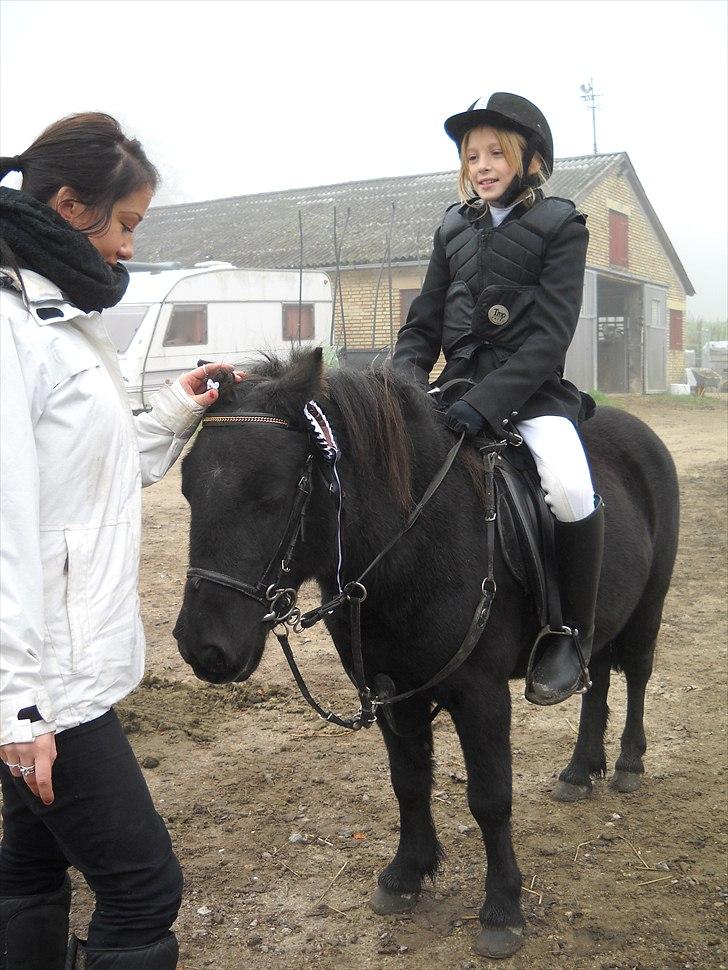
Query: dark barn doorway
(619, 336)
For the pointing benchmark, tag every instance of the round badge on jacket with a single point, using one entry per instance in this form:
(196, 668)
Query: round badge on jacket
(498, 314)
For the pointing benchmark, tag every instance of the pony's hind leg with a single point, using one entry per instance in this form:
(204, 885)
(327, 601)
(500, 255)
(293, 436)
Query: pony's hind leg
(629, 767)
(482, 716)
(589, 758)
(418, 854)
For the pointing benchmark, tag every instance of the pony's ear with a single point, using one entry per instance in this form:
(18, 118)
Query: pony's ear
(301, 381)
(227, 385)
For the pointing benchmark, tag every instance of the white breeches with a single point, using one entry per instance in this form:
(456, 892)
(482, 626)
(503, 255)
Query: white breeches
(561, 465)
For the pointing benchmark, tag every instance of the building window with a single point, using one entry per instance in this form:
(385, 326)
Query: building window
(406, 299)
(298, 321)
(676, 330)
(618, 239)
(187, 326)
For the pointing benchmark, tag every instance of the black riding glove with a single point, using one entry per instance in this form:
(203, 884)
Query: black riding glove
(462, 417)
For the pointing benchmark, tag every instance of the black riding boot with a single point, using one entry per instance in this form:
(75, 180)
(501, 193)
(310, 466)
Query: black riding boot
(161, 955)
(554, 671)
(34, 930)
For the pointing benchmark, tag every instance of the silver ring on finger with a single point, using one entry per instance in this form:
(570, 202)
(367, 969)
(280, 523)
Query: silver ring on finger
(26, 770)
(13, 766)
(204, 369)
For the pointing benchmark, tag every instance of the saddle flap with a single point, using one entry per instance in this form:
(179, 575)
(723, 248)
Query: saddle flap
(520, 529)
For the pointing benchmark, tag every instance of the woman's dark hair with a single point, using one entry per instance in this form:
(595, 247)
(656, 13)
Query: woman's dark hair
(90, 154)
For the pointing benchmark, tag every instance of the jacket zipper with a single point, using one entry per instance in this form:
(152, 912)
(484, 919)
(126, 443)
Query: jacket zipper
(482, 250)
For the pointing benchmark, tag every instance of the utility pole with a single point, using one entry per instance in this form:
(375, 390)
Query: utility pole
(590, 97)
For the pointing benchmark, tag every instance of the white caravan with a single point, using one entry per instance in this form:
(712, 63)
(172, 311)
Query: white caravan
(169, 320)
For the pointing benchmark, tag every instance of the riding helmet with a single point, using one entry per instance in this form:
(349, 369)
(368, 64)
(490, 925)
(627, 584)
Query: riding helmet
(512, 113)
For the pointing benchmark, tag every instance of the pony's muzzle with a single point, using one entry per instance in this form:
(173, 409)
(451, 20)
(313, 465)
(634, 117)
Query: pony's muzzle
(210, 663)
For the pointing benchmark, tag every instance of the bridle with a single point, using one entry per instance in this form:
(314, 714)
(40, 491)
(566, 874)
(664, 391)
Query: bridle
(283, 613)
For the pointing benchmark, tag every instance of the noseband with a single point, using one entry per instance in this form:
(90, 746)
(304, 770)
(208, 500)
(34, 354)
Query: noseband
(281, 601)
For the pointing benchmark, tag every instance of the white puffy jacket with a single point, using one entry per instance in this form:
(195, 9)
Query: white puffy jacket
(72, 460)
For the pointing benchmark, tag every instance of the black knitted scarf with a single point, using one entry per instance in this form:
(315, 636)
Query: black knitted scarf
(41, 240)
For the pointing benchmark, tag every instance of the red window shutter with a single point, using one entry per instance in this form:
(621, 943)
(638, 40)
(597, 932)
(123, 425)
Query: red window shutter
(618, 239)
(676, 330)
(292, 314)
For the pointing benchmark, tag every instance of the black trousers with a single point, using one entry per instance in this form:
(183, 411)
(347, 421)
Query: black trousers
(104, 823)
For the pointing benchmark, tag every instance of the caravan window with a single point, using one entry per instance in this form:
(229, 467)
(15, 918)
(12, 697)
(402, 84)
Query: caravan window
(122, 322)
(187, 325)
(292, 314)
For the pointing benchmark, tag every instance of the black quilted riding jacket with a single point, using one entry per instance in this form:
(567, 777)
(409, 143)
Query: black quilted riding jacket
(502, 304)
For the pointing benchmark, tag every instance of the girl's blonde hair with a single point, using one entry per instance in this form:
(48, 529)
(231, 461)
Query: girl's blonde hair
(512, 145)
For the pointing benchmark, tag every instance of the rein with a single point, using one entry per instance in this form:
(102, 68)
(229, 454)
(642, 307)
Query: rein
(283, 612)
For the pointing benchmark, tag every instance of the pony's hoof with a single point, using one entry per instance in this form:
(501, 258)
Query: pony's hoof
(499, 942)
(566, 792)
(625, 781)
(384, 902)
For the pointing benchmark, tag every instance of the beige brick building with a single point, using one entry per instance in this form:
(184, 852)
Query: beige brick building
(374, 239)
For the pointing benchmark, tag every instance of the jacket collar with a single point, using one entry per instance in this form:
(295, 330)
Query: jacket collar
(473, 212)
(45, 301)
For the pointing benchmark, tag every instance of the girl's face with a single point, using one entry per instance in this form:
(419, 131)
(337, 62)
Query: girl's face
(116, 241)
(490, 174)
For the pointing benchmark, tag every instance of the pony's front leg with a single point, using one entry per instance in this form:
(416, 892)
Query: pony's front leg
(482, 716)
(419, 852)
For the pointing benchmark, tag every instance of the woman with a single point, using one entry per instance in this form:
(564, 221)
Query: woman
(501, 299)
(73, 461)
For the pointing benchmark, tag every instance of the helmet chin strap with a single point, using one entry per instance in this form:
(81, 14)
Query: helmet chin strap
(517, 185)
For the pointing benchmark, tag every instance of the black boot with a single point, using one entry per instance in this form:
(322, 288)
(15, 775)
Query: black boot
(555, 670)
(34, 930)
(161, 955)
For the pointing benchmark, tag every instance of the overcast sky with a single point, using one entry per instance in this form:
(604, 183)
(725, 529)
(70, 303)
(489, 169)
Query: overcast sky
(236, 97)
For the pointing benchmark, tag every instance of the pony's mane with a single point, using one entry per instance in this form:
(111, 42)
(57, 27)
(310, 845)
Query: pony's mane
(376, 406)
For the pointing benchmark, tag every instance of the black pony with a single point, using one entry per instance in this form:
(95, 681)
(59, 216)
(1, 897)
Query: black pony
(241, 480)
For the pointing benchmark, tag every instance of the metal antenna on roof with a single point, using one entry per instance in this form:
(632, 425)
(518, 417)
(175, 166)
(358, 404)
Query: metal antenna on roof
(300, 274)
(590, 97)
(337, 281)
(386, 260)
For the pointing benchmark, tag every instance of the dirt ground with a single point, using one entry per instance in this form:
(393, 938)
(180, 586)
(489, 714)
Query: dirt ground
(282, 822)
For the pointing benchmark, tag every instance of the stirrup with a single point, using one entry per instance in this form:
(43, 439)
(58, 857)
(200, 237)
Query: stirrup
(583, 683)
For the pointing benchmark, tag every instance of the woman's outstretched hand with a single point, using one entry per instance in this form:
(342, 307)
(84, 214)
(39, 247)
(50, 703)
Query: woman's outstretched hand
(38, 755)
(195, 382)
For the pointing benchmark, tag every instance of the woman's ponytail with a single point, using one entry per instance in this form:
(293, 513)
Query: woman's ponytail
(10, 163)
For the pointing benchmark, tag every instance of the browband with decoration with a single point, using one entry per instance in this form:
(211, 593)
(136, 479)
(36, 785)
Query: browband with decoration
(322, 431)
(248, 418)
(323, 435)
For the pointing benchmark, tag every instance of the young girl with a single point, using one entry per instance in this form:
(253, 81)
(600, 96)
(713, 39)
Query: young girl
(501, 299)
(73, 461)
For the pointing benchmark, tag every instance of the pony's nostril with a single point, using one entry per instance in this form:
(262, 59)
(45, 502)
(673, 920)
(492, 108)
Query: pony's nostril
(212, 658)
